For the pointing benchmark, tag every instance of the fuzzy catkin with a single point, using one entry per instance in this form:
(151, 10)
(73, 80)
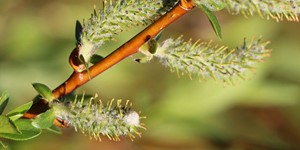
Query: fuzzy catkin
(95, 119)
(275, 9)
(118, 16)
(203, 60)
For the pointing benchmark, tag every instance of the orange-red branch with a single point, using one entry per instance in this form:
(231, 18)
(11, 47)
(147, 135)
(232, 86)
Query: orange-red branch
(79, 78)
(129, 48)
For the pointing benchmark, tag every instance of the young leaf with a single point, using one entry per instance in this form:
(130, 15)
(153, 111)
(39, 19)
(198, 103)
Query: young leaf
(19, 111)
(148, 49)
(3, 101)
(96, 58)
(44, 91)
(44, 120)
(7, 126)
(86, 65)
(212, 19)
(27, 131)
(78, 32)
(3, 144)
(54, 129)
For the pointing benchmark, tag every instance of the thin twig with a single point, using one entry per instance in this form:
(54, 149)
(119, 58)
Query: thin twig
(131, 47)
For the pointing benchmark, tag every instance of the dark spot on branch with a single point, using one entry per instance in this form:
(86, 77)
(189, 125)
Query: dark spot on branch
(148, 37)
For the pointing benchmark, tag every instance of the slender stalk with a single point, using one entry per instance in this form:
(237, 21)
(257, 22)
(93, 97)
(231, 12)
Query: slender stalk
(79, 78)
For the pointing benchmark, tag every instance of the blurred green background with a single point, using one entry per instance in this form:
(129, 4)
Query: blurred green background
(36, 38)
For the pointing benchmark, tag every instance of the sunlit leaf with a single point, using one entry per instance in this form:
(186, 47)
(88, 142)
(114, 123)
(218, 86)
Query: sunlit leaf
(19, 111)
(7, 126)
(15, 117)
(44, 91)
(27, 131)
(44, 120)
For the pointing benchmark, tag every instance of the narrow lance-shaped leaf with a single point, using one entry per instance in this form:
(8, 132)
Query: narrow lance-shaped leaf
(213, 20)
(86, 65)
(19, 111)
(78, 32)
(204, 60)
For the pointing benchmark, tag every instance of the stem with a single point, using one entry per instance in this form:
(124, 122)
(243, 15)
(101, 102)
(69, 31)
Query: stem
(131, 47)
(79, 78)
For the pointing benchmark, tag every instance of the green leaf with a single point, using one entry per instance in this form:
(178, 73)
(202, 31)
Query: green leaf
(213, 20)
(44, 91)
(3, 101)
(7, 126)
(44, 120)
(55, 129)
(15, 117)
(78, 32)
(19, 111)
(96, 58)
(86, 65)
(3, 144)
(27, 131)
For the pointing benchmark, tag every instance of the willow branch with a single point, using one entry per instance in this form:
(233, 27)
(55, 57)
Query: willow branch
(77, 79)
(131, 47)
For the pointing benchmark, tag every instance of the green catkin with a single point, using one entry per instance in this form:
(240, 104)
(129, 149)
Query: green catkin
(203, 60)
(274, 9)
(95, 119)
(117, 16)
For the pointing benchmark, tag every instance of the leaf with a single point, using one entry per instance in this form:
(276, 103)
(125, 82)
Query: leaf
(15, 117)
(44, 91)
(3, 101)
(86, 65)
(19, 111)
(96, 58)
(3, 144)
(152, 46)
(7, 126)
(44, 120)
(213, 20)
(54, 129)
(78, 32)
(27, 131)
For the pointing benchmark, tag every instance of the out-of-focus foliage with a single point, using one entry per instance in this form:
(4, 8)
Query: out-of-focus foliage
(38, 36)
